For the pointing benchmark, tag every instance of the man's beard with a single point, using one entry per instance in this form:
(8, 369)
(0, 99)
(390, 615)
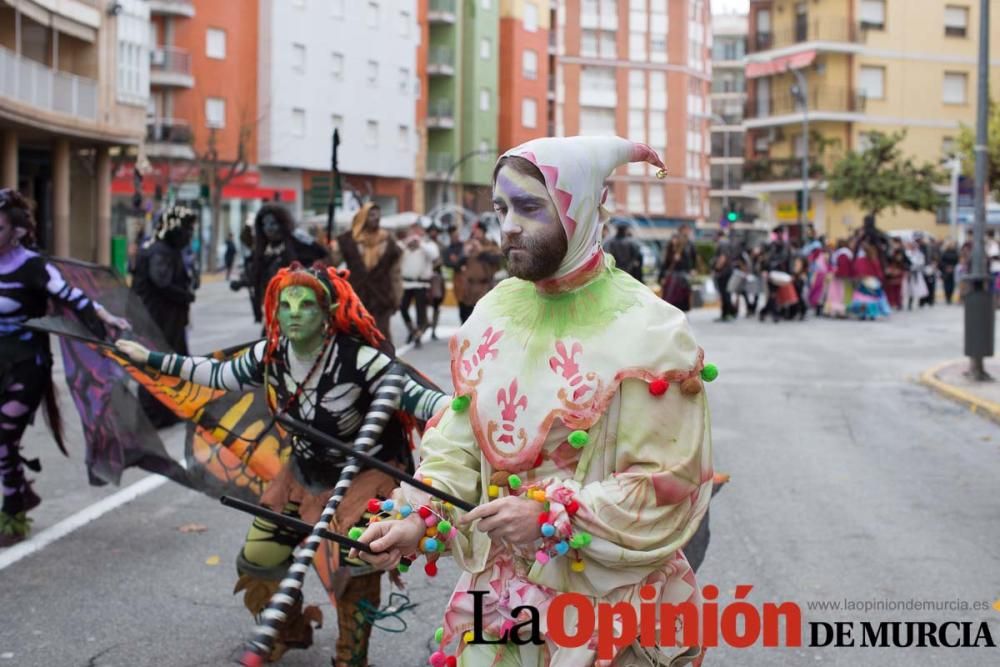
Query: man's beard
(537, 261)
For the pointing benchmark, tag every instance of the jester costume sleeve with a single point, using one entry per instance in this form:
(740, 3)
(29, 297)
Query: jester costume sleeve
(334, 392)
(584, 390)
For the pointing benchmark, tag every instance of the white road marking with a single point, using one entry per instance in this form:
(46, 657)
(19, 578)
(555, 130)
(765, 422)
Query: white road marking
(444, 333)
(17, 552)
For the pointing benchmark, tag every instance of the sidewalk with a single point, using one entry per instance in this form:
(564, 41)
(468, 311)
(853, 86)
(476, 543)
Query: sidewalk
(949, 379)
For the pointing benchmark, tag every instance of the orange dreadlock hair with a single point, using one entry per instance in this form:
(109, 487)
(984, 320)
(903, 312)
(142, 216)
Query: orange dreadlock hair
(332, 289)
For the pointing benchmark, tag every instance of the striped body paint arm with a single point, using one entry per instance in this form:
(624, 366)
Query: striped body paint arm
(74, 299)
(237, 374)
(417, 400)
(385, 403)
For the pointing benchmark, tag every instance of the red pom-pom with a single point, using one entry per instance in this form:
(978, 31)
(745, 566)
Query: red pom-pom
(431, 569)
(543, 518)
(424, 511)
(572, 507)
(251, 659)
(374, 505)
(658, 387)
(450, 661)
(538, 460)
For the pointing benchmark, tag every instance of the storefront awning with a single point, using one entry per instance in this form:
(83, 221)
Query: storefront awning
(755, 70)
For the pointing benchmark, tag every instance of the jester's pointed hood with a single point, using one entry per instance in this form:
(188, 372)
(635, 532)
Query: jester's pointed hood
(575, 169)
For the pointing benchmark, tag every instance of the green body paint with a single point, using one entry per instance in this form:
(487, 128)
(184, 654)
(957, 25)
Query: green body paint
(301, 319)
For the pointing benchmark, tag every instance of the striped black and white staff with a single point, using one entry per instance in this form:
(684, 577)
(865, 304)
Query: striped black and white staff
(385, 403)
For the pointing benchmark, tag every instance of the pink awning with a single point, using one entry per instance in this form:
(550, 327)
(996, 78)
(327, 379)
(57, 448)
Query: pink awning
(781, 64)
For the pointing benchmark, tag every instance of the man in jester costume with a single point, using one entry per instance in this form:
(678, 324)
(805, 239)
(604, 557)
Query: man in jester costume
(323, 361)
(579, 428)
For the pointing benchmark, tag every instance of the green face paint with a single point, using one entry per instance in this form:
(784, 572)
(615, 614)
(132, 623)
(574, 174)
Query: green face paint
(301, 318)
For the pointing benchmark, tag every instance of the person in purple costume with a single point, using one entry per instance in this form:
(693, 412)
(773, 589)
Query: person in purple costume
(27, 282)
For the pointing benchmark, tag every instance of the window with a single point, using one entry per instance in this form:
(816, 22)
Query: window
(484, 99)
(873, 14)
(337, 8)
(215, 112)
(763, 97)
(372, 73)
(529, 64)
(299, 122)
(954, 88)
(588, 43)
(657, 90)
(635, 198)
(404, 80)
(485, 154)
(404, 138)
(299, 57)
(637, 125)
(404, 24)
(597, 121)
(637, 45)
(337, 65)
(215, 43)
(134, 42)
(529, 113)
(371, 133)
(637, 88)
(656, 202)
(956, 21)
(597, 78)
(608, 43)
(372, 14)
(948, 146)
(872, 82)
(530, 16)
(485, 48)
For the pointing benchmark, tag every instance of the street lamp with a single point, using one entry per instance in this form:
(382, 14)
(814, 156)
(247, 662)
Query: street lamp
(455, 165)
(800, 91)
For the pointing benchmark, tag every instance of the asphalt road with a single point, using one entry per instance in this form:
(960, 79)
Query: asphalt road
(849, 481)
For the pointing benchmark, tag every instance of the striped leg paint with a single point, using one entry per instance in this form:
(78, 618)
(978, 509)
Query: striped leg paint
(386, 402)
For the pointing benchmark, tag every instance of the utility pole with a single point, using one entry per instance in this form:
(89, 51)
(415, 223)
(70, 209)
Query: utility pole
(801, 92)
(334, 186)
(979, 316)
(956, 172)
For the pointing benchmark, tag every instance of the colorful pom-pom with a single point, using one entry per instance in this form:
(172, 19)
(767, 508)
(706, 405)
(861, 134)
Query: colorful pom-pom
(709, 372)
(537, 495)
(541, 557)
(577, 540)
(430, 520)
(460, 403)
(424, 511)
(658, 387)
(388, 505)
(427, 480)
(468, 636)
(572, 507)
(578, 439)
(355, 532)
(374, 505)
(562, 547)
(577, 566)
(403, 567)
(431, 569)
(405, 511)
(438, 635)
(493, 490)
(444, 527)
(437, 659)
(543, 518)
(451, 661)
(441, 546)
(548, 530)
(514, 482)
(429, 545)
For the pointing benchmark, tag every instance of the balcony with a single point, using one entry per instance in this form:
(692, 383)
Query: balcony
(441, 115)
(169, 138)
(764, 170)
(441, 61)
(825, 103)
(438, 166)
(832, 31)
(33, 84)
(170, 67)
(171, 8)
(441, 11)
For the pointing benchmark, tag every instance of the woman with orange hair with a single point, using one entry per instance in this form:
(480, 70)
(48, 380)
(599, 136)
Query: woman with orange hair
(323, 360)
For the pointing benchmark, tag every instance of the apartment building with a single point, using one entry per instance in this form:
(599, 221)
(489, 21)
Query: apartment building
(869, 65)
(74, 85)
(641, 69)
(728, 201)
(462, 101)
(526, 39)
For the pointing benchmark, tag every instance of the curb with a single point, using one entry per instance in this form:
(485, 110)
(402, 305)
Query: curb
(974, 403)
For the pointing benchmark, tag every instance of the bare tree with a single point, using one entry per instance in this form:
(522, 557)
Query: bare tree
(217, 174)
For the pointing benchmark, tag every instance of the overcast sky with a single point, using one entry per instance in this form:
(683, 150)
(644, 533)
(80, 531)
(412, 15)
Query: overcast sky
(727, 6)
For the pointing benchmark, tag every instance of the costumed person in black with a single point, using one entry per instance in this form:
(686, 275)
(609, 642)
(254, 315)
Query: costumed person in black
(322, 361)
(276, 244)
(27, 282)
(164, 284)
(625, 250)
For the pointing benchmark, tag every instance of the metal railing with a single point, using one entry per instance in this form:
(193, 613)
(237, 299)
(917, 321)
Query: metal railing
(440, 112)
(827, 30)
(35, 84)
(441, 9)
(820, 99)
(170, 59)
(439, 164)
(441, 59)
(780, 169)
(168, 130)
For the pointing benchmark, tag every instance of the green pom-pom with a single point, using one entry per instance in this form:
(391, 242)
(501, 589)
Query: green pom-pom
(586, 539)
(356, 532)
(438, 635)
(514, 482)
(709, 372)
(403, 568)
(576, 541)
(578, 439)
(460, 403)
(442, 546)
(444, 527)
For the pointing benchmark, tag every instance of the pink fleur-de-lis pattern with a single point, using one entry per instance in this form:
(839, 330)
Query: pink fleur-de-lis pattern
(469, 366)
(581, 388)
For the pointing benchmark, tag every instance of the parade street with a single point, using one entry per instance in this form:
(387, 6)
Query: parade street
(850, 481)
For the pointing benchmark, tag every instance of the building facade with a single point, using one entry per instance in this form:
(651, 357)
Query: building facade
(728, 201)
(74, 86)
(462, 101)
(869, 65)
(641, 69)
(525, 38)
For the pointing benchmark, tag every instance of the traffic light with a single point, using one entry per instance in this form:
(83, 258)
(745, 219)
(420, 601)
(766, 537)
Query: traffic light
(733, 215)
